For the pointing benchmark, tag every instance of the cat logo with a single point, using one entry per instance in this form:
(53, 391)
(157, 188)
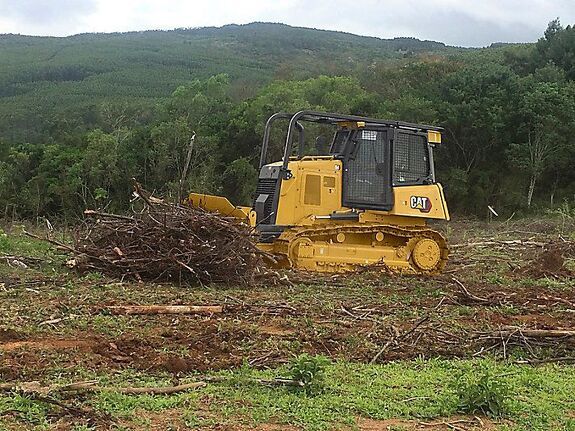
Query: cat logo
(420, 203)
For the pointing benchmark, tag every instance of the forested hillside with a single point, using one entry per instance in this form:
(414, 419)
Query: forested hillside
(80, 116)
(43, 79)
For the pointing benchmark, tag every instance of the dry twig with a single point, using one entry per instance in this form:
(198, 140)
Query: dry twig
(166, 309)
(468, 294)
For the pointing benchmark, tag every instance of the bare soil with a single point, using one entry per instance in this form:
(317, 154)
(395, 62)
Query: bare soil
(338, 316)
(61, 322)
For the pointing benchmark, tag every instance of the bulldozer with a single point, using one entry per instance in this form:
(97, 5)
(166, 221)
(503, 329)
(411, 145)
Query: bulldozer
(365, 198)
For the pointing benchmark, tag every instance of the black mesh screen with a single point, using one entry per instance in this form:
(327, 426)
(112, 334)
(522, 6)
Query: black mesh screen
(364, 182)
(410, 158)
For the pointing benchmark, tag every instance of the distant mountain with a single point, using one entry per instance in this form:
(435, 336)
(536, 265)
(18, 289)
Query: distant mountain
(43, 77)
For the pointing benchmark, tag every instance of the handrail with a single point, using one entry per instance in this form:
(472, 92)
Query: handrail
(271, 120)
(322, 117)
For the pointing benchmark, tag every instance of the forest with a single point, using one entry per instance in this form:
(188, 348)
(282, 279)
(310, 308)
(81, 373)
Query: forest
(81, 116)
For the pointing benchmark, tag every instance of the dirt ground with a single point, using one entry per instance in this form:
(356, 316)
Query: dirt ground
(506, 277)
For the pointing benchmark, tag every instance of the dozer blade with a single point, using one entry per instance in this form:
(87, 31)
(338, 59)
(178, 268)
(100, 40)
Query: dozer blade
(340, 248)
(220, 205)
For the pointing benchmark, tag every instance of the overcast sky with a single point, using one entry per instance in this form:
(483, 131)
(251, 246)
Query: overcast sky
(455, 22)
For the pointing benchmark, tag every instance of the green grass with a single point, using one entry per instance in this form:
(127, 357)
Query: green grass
(532, 398)
(418, 389)
(18, 243)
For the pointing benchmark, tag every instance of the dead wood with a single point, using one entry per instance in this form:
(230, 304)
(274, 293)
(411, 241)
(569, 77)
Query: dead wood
(533, 333)
(25, 387)
(58, 244)
(24, 259)
(453, 425)
(278, 381)
(186, 166)
(166, 309)
(556, 299)
(35, 389)
(468, 295)
(165, 390)
(513, 242)
(91, 386)
(401, 336)
(46, 394)
(561, 359)
(165, 242)
(558, 339)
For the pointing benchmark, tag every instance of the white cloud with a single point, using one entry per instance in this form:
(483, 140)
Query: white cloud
(456, 22)
(50, 17)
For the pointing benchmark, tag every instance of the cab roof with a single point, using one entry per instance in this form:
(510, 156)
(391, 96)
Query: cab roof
(334, 119)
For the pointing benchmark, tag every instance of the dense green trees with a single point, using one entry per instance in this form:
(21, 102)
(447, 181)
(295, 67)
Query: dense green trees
(508, 114)
(557, 47)
(546, 118)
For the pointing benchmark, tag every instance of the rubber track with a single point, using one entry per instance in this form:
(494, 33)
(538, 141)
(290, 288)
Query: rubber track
(413, 233)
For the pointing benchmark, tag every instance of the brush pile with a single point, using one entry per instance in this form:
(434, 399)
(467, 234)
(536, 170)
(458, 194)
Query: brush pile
(169, 242)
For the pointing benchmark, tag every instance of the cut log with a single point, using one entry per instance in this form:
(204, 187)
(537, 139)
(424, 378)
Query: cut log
(154, 391)
(535, 333)
(166, 309)
(35, 387)
(513, 242)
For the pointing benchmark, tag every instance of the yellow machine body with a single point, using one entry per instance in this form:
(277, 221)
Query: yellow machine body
(219, 204)
(319, 233)
(397, 238)
(316, 190)
(319, 242)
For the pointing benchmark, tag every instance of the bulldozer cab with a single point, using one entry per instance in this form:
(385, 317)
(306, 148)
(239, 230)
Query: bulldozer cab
(375, 156)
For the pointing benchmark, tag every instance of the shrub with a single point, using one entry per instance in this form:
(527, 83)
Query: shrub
(482, 392)
(309, 372)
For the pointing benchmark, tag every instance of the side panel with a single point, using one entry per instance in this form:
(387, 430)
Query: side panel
(425, 201)
(314, 189)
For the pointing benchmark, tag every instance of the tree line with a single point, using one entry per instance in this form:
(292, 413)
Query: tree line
(508, 115)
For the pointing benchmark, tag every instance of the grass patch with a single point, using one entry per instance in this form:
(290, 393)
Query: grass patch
(527, 398)
(19, 244)
(531, 399)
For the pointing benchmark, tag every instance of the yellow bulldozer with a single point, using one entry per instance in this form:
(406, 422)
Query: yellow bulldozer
(363, 199)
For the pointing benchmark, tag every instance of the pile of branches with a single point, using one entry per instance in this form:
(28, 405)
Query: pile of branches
(169, 242)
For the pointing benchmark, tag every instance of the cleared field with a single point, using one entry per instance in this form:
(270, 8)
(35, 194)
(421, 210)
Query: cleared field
(396, 352)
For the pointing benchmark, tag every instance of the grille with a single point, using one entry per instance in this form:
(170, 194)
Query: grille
(410, 159)
(266, 186)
